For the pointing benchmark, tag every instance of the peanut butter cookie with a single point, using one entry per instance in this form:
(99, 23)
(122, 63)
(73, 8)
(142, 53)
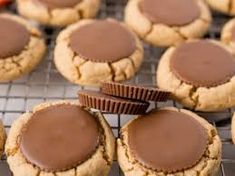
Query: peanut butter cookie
(169, 22)
(21, 47)
(60, 139)
(169, 141)
(92, 51)
(225, 6)
(228, 35)
(200, 74)
(58, 12)
(2, 138)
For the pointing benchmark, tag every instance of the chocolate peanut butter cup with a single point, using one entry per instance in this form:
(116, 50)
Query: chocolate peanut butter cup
(202, 64)
(103, 41)
(60, 137)
(53, 4)
(170, 12)
(167, 141)
(135, 92)
(106, 103)
(14, 38)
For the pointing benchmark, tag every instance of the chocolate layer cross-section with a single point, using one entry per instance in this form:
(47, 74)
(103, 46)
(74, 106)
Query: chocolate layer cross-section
(135, 92)
(103, 41)
(170, 12)
(60, 137)
(14, 37)
(106, 103)
(167, 141)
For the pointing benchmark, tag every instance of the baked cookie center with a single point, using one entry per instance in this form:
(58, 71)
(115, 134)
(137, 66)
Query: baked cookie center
(202, 64)
(59, 137)
(167, 141)
(102, 41)
(170, 12)
(14, 37)
(52, 4)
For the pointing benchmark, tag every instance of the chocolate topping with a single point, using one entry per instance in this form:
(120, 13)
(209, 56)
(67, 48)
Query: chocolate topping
(14, 37)
(170, 12)
(60, 137)
(52, 4)
(202, 64)
(167, 141)
(106, 103)
(135, 92)
(103, 41)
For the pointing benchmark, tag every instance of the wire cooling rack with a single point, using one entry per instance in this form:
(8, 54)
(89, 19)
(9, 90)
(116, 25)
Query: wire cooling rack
(46, 84)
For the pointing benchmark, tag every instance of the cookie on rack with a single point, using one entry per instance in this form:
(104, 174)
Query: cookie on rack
(224, 6)
(21, 49)
(92, 51)
(2, 138)
(169, 22)
(228, 34)
(57, 12)
(200, 75)
(60, 138)
(169, 141)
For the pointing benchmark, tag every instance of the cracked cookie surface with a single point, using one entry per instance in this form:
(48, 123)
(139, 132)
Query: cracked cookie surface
(58, 13)
(17, 65)
(209, 163)
(2, 138)
(160, 34)
(228, 34)
(85, 71)
(98, 164)
(226, 6)
(211, 98)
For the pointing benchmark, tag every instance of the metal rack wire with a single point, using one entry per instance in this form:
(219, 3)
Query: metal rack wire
(46, 84)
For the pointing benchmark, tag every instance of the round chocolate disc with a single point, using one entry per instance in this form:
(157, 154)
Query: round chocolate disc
(52, 4)
(14, 37)
(170, 12)
(167, 141)
(102, 41)
(202, 64)
(60, 137)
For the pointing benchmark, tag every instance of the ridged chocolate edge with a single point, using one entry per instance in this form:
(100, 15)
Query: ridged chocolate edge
(134, 92)
(112, 106)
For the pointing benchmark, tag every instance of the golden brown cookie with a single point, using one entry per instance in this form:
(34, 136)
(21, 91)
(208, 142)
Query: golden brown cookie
(233, 128)
(92, 51)
(57, 12)
(169, 141)
(200, 75)
(169, 22)
(21, 49)
(2, 138)
(224, 6)
(60, 138)
(228, 34)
